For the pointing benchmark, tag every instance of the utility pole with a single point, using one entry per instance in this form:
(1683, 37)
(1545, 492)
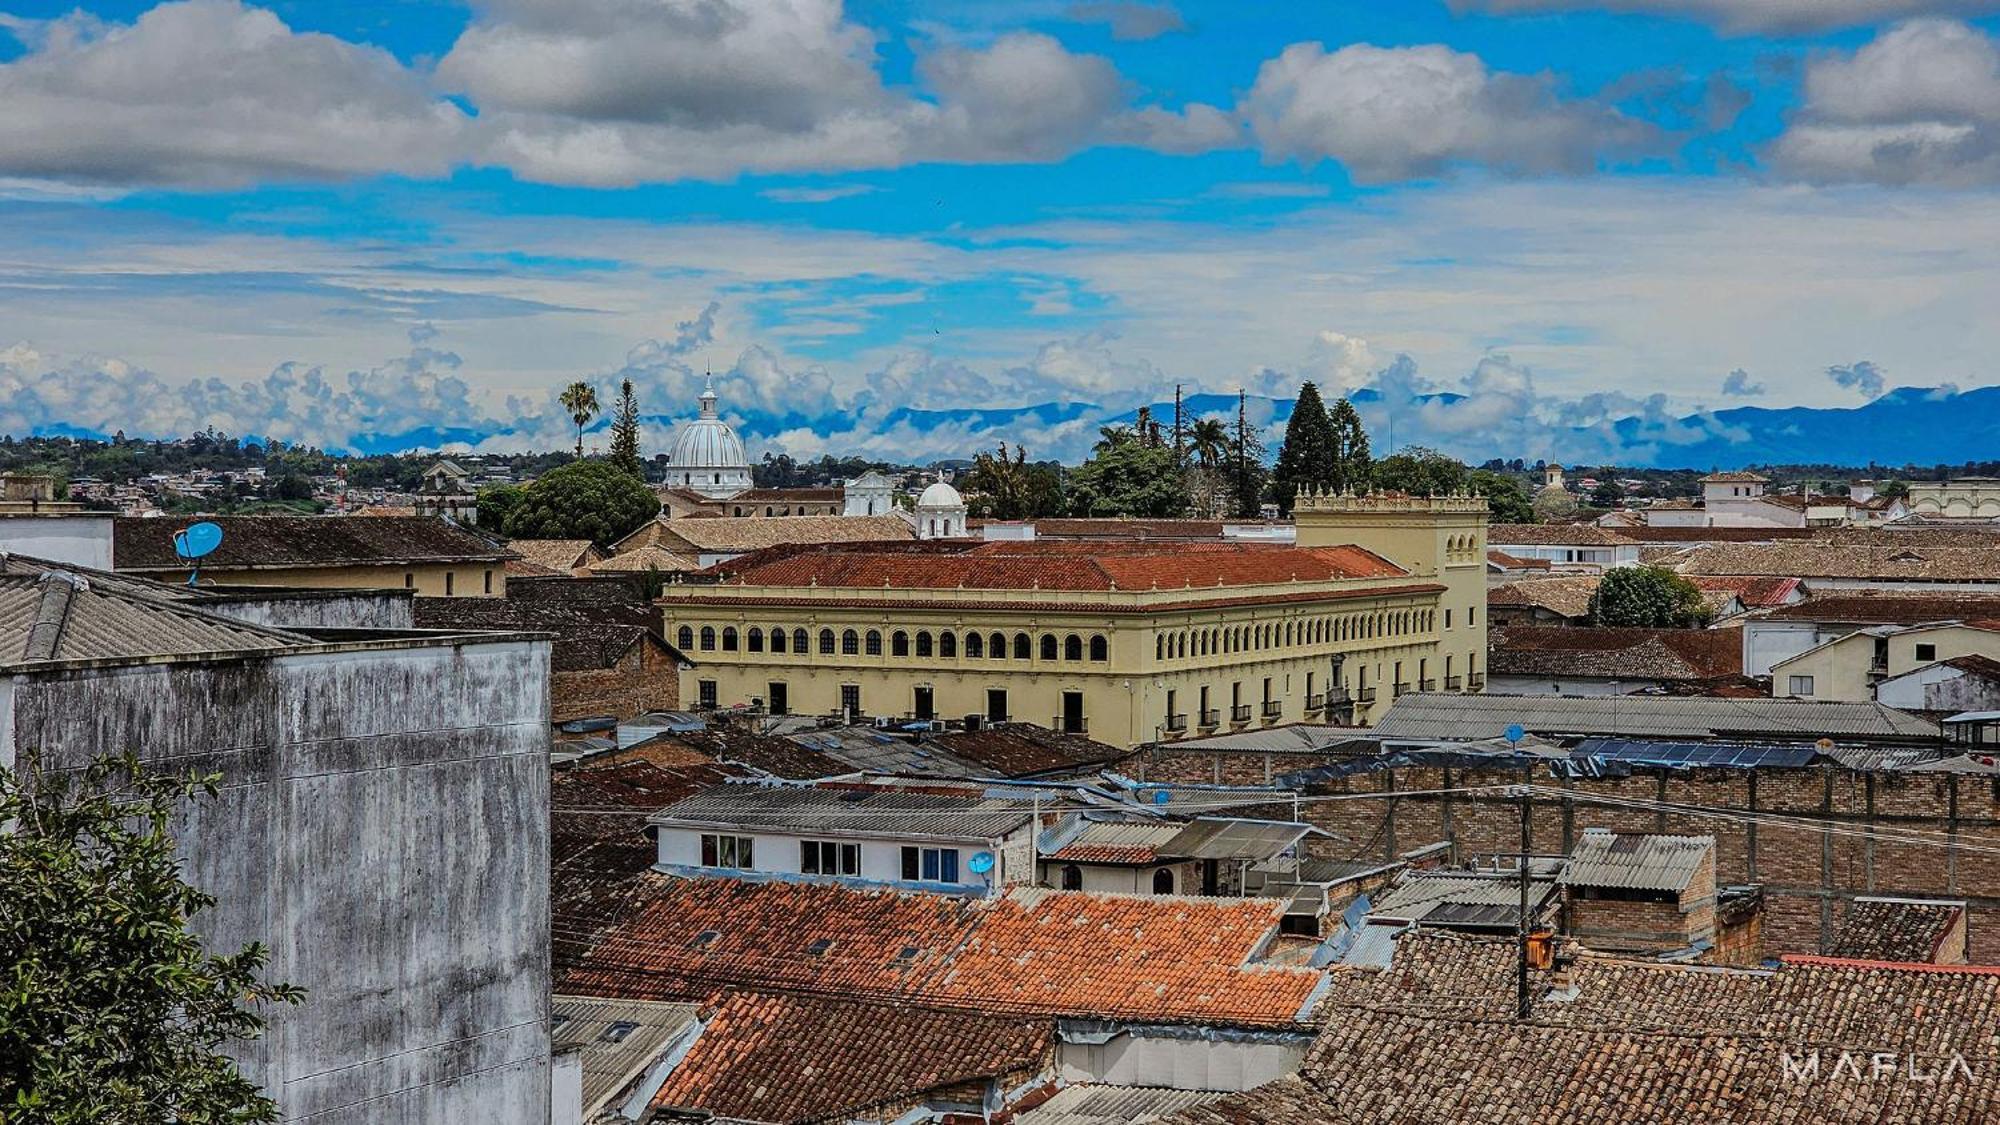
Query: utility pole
(1527, 822)
(1179, 456)
(1242, 446)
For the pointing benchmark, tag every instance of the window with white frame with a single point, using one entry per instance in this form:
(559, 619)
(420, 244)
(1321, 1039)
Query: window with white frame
(726, 851)
(829, 857)
(1801, 685)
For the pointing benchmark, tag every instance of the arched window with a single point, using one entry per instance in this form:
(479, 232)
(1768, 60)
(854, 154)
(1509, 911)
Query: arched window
(1023, 648)
(975, 646)
(729, 638)
(1163, 881)
(1048, 646)
(1160, 647)
(799, 641)
(850, 643)
(826, 642)
(996, 646)
(754, 639)
(899, 643)
(1100, 649)
(708, 638)
(1072, 877)
(1229, 640)
(923, 643)
(777, 640)
(1180, 644)
(874, 642)
(1072, 647)
(948, 645)
(685, 639)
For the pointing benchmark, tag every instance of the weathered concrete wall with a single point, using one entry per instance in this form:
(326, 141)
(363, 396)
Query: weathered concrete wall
(318, 609)
(384, 830)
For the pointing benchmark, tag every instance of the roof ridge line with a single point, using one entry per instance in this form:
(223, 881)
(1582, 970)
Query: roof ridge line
(59, 589)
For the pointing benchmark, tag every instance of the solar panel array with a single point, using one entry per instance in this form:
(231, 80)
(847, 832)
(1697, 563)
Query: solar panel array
(1729, 755)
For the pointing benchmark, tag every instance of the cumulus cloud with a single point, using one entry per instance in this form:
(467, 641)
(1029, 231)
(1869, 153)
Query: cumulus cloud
(1395, 113)
(1129, 20)
(1920, 104)
(1743, 16)
(1739, 384)
(1865, 377)
(208, 93)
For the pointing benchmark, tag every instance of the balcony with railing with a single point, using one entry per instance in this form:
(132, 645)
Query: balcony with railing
(1239, 713)
(1177, 723)
(1073, 724)
(1402, 687)
(1453, 683)
(1365, 695)
(1211, 718)
(1273, 708)
(1315, 703)
(1476, 682)
(1427, 685)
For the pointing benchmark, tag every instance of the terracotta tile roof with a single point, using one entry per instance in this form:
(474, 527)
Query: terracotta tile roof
(253, 542)
(1509, 562)
(1893, 929)
(1127, 529)
(563, 556)
(1026, 750)
(752, 533)
(644, 558)
(1432, 1040)
(772, 754)
(1555, 535)
(1868, 607)
(587, 637)
(1821, 560)
(1567, 596)
(1649, 654)
(1054, 566)
(1160, 959)
(1754, 593)
(793, 495)
(769, 1057)
(1688, 535)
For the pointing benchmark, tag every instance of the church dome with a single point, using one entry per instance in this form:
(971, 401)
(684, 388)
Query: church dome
(940, 495)
(707, 456)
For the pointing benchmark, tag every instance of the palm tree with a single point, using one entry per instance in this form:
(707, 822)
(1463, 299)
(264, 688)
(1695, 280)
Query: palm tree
(580, 399)
(1209, 441)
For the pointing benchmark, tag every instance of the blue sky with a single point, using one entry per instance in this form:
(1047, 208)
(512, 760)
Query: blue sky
(392, 219)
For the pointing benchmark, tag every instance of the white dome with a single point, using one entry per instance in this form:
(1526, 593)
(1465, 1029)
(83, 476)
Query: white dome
(940, 495)
(708, 457)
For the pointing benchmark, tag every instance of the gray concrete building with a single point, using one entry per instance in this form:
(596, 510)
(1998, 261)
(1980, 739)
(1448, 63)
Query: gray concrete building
(383, 827)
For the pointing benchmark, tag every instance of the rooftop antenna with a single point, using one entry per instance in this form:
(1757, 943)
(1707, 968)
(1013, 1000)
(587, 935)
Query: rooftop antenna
(195, 541)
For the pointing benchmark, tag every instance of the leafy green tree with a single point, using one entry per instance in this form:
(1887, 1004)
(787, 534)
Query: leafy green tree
(592, 500)
(1896, 489)
(1004, 487)
(1128, 476)
(625, 432)
(1647, 597)
(1421, 472)
(1353, 463)
(580, 399)
(1607, 494)
(1247, 474)
(292, 486)
(113, 1013)
(496, 502)
(1307, 457)
(1505, 498)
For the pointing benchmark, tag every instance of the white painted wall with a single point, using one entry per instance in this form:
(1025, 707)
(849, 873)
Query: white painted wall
(775, 853)
(77, 539)
(1577, 686)
(1179, 1064)
(1768, 643)
(566, 1089)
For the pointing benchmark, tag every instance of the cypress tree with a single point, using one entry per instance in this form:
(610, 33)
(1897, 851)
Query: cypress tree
(1353, 465)
(1307, 459)
(625, 432)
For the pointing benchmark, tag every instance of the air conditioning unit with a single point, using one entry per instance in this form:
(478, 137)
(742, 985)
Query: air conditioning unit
(974, 722)
(939, 726)
(885, 722)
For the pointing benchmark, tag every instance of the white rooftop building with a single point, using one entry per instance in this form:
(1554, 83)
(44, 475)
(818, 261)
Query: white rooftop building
(940, 513)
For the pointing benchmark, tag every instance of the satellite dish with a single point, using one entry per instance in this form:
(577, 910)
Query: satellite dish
(1162, 797)
(197, 540)
(1516, 733)
(980, 863)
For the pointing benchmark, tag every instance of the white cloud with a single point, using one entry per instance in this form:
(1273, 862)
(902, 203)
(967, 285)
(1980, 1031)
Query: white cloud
(1865, 378)
(1918, 105)
(816, 195)
(1744, 16)
(1738, 384)
(1129, 20)
(212, 93)
(1396, 113)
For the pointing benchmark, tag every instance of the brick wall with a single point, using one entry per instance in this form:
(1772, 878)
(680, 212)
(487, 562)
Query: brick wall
(645, 679)
(1839, 845)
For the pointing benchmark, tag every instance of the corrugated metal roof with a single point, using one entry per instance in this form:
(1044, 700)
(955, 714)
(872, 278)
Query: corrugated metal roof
(1231, 839)
(89, 623)
(846, 811)
(1449, 717)
(1666, 753)
(1635, 861)
(1416, 897)
(864, 748)
(1298, 738)
(617, 1039)
(1106, 1105)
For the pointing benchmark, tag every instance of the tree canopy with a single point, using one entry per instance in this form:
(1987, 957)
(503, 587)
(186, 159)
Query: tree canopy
(1420, 471)
(592, 500)
(113, 1012)
(1008, 487)
(625, 432)
(1306, 458)
(1505, 498)
(1647, 597)
(580, 400)
(496, 502)
(1132, 473)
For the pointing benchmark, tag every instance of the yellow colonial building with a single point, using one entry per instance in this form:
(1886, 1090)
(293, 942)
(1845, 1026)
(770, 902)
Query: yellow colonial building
(1129, 642)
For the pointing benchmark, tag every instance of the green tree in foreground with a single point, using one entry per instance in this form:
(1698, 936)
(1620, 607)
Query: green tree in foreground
(496, 502)
(580, 399)
(592, 500)
(625, 432)
(1128, 476)
(1647, 597)
(1505, 498)
(111, 1011)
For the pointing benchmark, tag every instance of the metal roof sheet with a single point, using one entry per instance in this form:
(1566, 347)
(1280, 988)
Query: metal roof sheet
(617, 1039)
(1232, 839)
(1450, 717)
(1690, 754)
(1111, 1105)
(846, 811)
(1635, 861)
(1417, 896)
